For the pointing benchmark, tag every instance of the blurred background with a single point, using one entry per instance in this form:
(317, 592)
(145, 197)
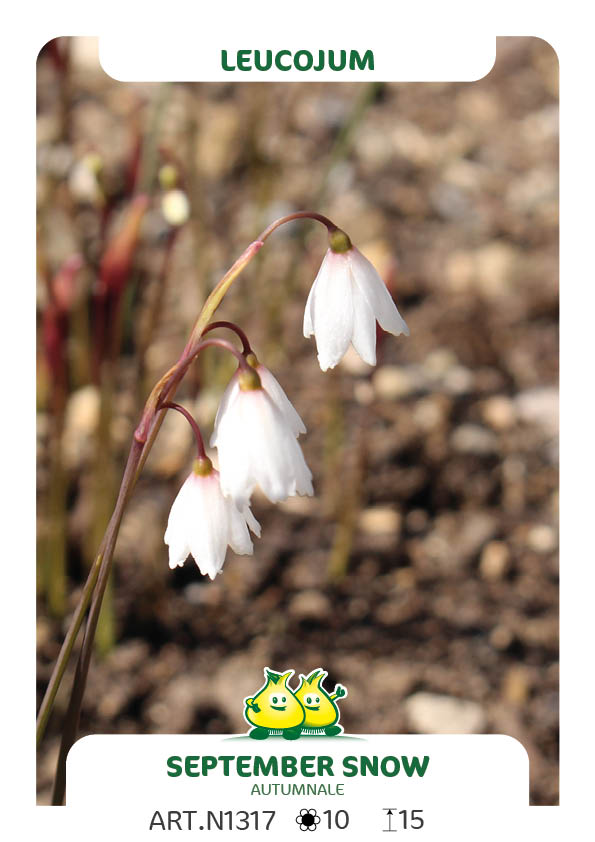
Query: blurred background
(423, 575)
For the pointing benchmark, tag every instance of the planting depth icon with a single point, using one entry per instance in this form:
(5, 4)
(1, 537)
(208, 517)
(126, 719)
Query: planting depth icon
(277, 710)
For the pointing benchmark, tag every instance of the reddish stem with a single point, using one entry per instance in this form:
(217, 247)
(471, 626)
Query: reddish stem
(246, 349)
(298, 215)
(200, 445)
(216, 342)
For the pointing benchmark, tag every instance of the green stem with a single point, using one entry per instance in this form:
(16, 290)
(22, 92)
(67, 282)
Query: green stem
(66, 649)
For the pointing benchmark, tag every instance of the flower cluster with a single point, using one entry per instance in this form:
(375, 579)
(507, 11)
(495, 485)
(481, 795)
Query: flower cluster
(257, 428)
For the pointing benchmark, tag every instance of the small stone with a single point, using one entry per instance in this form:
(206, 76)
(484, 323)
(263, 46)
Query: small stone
(499, 412)
(431, 713)
(379, 528)
(542, 539)
(410, 142)
(540, 406)
(380, 520)
(458, 380)
(438, 362)
(460, 271)
(392, 381)
(416, 521)
(405, 578)
(516, 685)
(309, 605)
(203, 593)
(429, 413)
(354, 364)
(476, 529)
(478, 107)
(471, 438)
(501, 637)
(403, 607)
(495, 265)
(307, 571)
(82, 418)
(494, 561)
(535, 187)
(363, 392)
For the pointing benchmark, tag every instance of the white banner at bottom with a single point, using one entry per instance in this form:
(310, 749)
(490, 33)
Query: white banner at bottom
(350, 786)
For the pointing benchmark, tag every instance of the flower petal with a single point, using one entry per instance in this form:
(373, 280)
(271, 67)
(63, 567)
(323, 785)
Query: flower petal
(364, 327)
(227, 398)
(253, 524)
(308, 325)
(208, 526)
(235, 466)
(239, 537)
(377, 295)
(256, 445)
(275, 391)
(332, 309)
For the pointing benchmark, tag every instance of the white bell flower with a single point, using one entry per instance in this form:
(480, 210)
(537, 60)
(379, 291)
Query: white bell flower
(202, 523)
(346, 300)
(274, 390)
(256, 439)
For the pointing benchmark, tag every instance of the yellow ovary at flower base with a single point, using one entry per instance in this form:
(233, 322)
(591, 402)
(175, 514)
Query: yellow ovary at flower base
(320, 708)
(274, 707)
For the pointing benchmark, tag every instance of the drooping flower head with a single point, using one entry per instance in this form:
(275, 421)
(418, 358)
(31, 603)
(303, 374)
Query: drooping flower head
(203, 523)
(346, 300)
(255, 435)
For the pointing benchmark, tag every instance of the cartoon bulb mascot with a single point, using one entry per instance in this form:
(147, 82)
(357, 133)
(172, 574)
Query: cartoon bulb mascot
(274, 710)
(322, 714)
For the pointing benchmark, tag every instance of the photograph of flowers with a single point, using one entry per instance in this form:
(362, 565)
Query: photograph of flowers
(297, 402)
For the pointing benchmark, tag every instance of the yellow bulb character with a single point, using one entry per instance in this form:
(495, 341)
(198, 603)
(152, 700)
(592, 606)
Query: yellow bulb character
(322, 713)
(274, 710)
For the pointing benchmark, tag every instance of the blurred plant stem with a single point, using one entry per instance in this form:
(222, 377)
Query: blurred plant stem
(142, 442)
(349, 503)
(334, 438)
(53, 551)
(104, 497)
(342, 144)
(153, 312)
(80, 345)
(150, 147)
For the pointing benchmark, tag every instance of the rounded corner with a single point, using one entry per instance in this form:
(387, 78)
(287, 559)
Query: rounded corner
(76, 745)
(102, 65)
(45, 44)
(517, 745)
(533, 38)
(490, 69)
(550, 46)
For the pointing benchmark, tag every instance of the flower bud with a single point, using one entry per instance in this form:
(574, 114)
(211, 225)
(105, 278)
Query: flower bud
(175, 208)
(168, 176)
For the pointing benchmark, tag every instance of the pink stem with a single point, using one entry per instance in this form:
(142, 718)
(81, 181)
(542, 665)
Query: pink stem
(200, 445)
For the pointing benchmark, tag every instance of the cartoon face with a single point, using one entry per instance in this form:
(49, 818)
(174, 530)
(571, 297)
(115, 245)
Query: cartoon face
(274, 706)
(320, 708)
